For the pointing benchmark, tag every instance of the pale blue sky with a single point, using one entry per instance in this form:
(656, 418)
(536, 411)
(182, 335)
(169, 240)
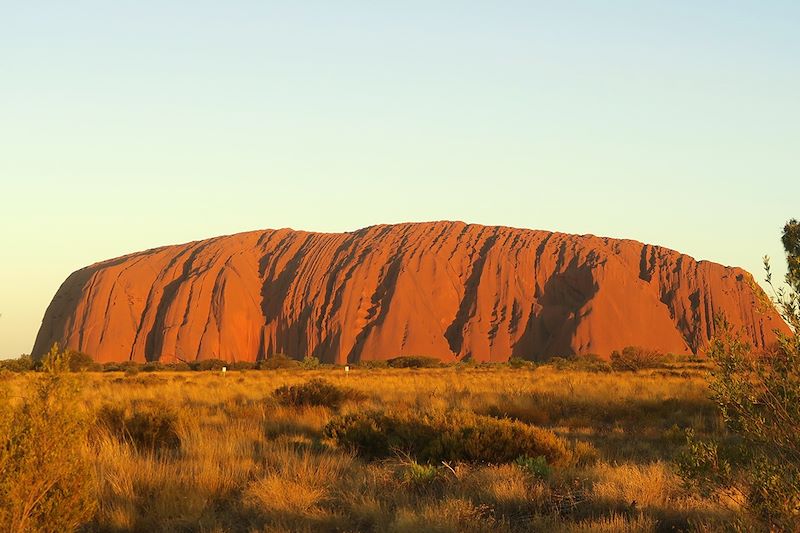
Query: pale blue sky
(127, 125)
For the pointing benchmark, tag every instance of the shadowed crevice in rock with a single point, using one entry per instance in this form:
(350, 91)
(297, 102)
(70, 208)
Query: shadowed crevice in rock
(455, 332)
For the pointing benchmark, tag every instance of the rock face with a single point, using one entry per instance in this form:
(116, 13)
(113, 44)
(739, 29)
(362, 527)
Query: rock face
(444, 289)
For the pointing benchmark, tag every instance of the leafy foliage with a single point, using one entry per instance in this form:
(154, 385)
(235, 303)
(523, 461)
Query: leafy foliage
(535, 466)
(759, 397)
(46, 477)
(310, 363)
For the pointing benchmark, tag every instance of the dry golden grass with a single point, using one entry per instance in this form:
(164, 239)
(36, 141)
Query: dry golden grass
(248, 463)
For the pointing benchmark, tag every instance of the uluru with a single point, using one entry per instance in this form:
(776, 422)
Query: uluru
(449, 290)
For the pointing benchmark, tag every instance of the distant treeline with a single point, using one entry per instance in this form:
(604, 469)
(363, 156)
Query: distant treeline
(630, 358)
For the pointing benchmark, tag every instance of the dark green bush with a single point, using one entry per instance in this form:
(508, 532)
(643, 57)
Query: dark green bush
(120, 366)
(153, 366)
(79, 361)
(242, 365)
(585, 363)
(535, 466)
(205, 365)
(310, 363)
(149, 428)
(452, 436)
(635, 358)
(315, 392)
(131, 370)
(180, 366)
(519, 362)
(23, 363)
(372, 364)
(414, 361)
(276, 361)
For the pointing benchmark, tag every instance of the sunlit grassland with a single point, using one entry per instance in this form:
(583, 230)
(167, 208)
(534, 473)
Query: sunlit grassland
(246, 462)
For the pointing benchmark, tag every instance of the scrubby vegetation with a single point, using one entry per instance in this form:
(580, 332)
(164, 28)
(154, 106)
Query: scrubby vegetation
(758, 469)
(433, 437)
(636, 358)
(46, 477)
(315, 392)
(152, 427)
(413, 361)
(460, 448)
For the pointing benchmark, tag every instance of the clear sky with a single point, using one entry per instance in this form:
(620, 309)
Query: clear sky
(130, 124)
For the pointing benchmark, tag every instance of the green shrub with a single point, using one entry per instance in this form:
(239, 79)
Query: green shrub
(634, 358)
(519, 362)
(242, 365)
(46, 475)
(372, 364)
(149, 428)
(180, 366)
(418, 475)
(152, 366)
(131, 370)
(120, 366)
(79, 361)
(23, 363)
(277, 361)
(315, 392)
(534, 466)
(205, 365)
(310, 363)
(452, 436)
(759, 398)
(414, 361)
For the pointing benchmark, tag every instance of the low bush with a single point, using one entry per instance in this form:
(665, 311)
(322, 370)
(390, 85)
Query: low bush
(519, 362)
(149, 429)
(80, 362)
(180, 366)
(121, 366)
(451, 436)
(585, 363)
(315, 392)
(204, 365)
(242, 365)
(635, 358)
(23, 363)
(414, 361)
(534, 466)
(372, 364)
(153, 366)
(276, 361)
(418, 475)
(310, 363)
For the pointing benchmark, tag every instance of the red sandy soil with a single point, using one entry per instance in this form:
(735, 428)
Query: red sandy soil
(442, 289)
